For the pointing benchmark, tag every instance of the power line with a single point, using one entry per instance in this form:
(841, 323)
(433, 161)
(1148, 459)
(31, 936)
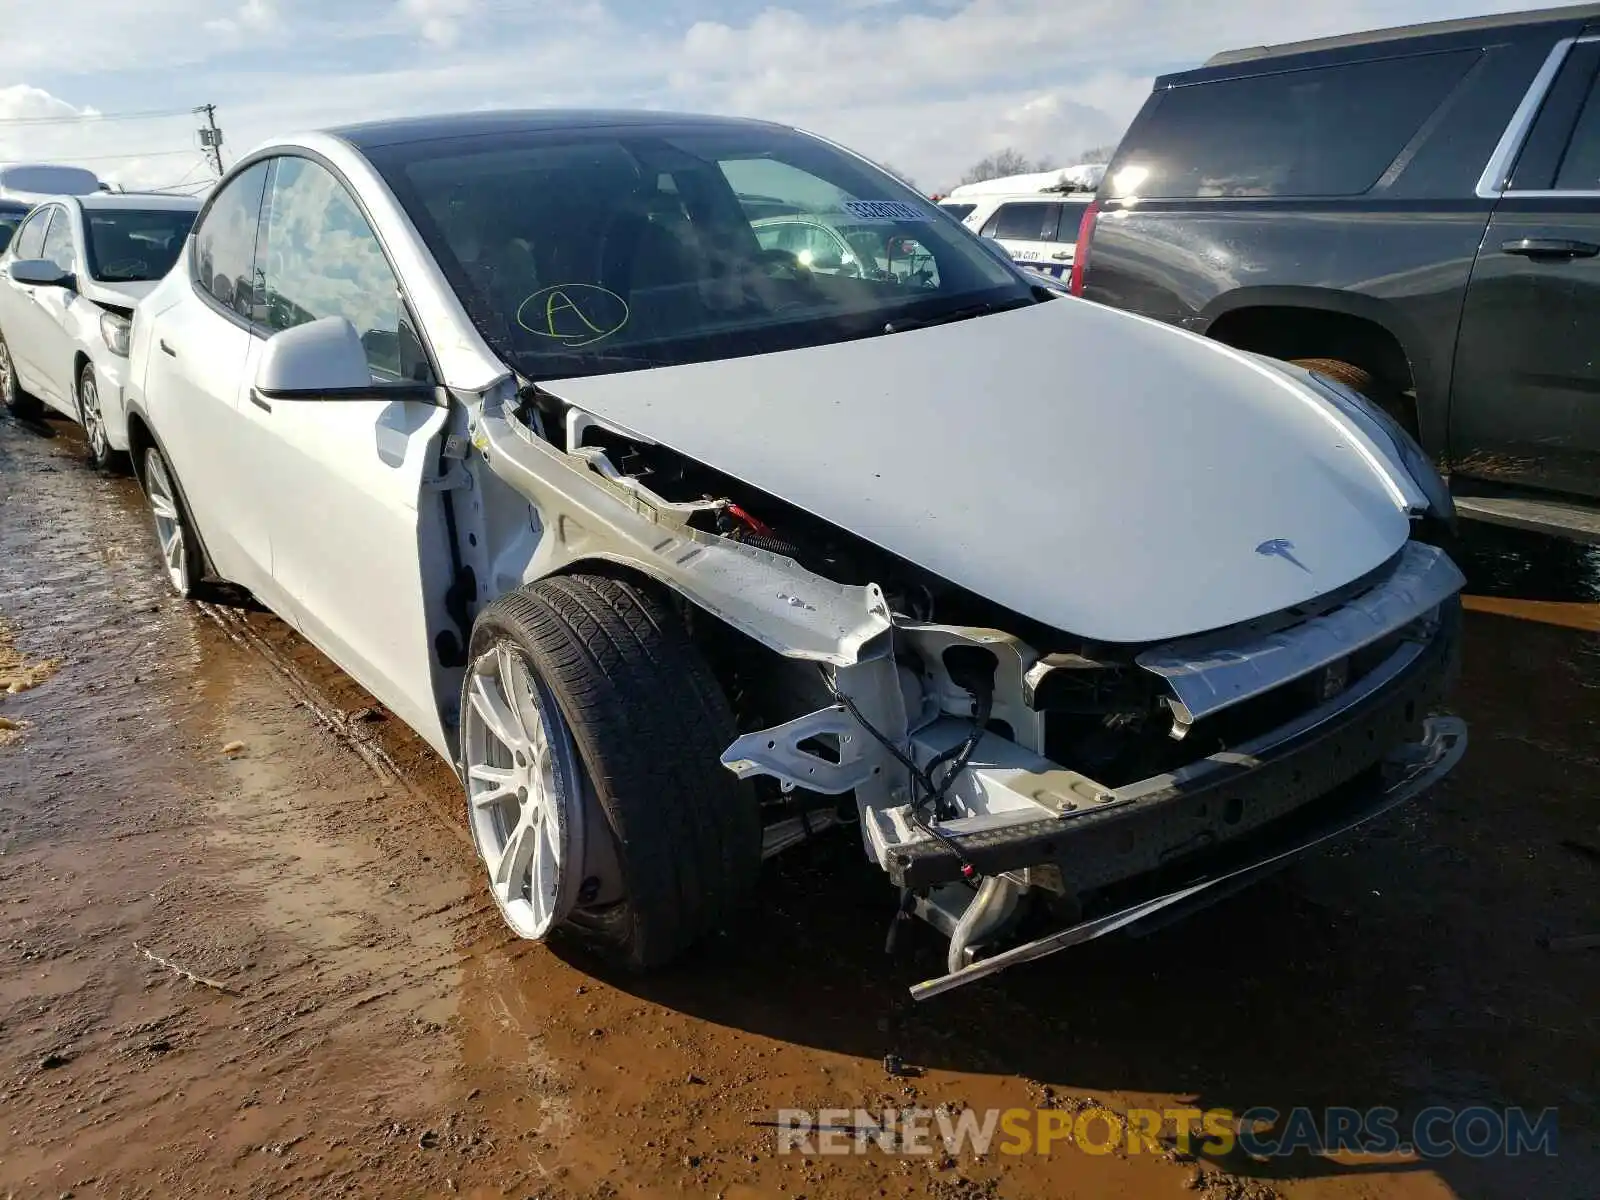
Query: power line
(82, 118)
(189, 188)
(78, 158)
(188, 179)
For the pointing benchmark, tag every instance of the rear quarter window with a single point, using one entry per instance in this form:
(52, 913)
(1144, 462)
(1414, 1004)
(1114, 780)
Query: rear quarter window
(1323, 131)
(1028, 221)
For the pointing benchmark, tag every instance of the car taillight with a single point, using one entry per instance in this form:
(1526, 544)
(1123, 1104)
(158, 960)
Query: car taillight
(1080, 254)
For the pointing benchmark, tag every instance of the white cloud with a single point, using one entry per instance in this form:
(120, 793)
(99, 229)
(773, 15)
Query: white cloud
(929, 85)
(36, 126)
(21, 103)
(251, 18)
(439, 21)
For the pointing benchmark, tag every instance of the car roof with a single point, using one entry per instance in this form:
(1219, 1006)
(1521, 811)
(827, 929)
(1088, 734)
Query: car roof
(372, 134)
(1012, 197)
(1578, 13)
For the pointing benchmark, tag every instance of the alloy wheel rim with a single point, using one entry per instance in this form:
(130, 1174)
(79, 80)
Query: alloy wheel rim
(5, 372)
(94, 425)
(169, 525)
(521, 768)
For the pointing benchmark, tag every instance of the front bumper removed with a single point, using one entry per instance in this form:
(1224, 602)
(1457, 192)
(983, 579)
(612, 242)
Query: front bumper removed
(1410, 770)
(1151, 852)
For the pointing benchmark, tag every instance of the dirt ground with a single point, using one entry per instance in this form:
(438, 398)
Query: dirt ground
(192, 789)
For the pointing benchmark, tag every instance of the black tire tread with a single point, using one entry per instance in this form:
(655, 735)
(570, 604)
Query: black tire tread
(650, 724)
(21, 404)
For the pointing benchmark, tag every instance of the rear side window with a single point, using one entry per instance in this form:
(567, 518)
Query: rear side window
(30, 236)
(1025, 221)
(1326, 131)
(1071, 217)
(225, 241)
(1579, 169)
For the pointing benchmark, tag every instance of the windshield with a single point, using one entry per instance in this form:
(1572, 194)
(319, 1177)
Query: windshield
(135, 245)
(598, 250)
(959, 211)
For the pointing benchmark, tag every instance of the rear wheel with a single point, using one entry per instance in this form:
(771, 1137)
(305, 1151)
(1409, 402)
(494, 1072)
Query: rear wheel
(591, 731)
(175, 539)
(17, 401)
(1358, 379)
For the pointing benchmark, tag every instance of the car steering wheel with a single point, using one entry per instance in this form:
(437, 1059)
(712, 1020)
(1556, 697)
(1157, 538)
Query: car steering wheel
(784, 258)
(126, 267)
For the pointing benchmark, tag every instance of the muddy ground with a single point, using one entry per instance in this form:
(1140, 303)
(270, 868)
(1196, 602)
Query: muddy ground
(193, 788)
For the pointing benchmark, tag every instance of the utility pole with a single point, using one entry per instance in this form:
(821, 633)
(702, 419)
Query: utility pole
(211, 137)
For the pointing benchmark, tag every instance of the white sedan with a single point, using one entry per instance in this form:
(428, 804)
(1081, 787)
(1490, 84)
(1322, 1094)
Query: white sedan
(69, 280)
(683, 552)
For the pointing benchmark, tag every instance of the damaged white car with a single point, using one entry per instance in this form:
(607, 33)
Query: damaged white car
(684, 553)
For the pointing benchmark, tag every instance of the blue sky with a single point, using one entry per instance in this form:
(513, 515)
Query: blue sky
(927, 85)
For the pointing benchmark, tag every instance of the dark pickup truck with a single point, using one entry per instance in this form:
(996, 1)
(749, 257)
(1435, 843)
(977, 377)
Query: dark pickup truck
(1414, 212)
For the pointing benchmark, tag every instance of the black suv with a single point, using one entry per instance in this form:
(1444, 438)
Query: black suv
(1414, 212)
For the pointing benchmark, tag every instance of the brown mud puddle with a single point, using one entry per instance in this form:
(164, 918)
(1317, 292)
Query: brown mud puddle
(198, 781)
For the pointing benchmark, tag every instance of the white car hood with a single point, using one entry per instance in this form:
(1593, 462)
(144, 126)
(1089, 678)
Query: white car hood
(1106, 475)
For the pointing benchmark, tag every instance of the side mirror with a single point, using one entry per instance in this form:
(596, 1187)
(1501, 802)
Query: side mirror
(39, 272)
(325, 360)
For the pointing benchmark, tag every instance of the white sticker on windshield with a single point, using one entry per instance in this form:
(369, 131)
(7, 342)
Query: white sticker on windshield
(885, 210)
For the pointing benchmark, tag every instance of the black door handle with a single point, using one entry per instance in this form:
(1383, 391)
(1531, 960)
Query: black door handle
(166, 349)
(258, 401)
(1550, 248)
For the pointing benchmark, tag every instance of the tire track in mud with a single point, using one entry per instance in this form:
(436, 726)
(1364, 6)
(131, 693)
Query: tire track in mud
(236, 867)
(342, 727)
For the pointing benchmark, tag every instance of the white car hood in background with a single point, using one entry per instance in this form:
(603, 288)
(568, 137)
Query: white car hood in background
(124, 294)
(1106, 475)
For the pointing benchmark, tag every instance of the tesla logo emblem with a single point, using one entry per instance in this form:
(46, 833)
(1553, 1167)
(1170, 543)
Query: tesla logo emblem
(1281, 548)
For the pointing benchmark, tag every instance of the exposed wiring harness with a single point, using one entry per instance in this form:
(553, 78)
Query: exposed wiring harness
(927, 791)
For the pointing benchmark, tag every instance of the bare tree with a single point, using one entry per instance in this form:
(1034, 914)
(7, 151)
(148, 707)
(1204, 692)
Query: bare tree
(900, 175)
(1098, 154)
(1002, 162)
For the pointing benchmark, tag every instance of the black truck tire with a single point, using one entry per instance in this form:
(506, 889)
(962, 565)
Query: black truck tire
(1358, 379)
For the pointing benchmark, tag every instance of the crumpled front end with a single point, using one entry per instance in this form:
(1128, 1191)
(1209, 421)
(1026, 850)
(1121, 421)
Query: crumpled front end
(1026, 802)
(1024, 784)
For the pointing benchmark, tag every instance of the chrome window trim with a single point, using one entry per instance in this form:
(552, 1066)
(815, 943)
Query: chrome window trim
(1491, 184)
(1550, 194)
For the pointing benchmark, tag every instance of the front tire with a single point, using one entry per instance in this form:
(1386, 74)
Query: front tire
(175, 539)
(17, 402)
(586, 696)
(99, 453)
